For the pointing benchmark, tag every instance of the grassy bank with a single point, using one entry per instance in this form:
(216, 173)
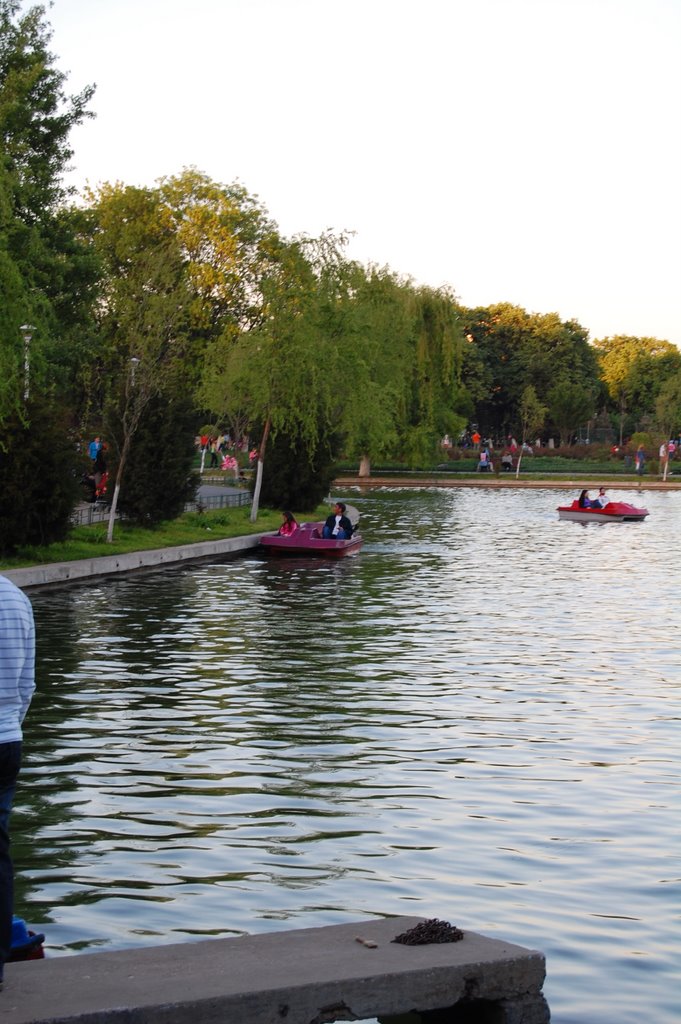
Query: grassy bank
(190, 528)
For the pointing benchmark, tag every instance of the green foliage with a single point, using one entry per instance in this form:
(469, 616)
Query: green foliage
(47, 272)
(532, 414)
(641, 437)
(296, 478)
(570, 405)
(634, 371)
(158, 479)
(39, 477)
(509, 350)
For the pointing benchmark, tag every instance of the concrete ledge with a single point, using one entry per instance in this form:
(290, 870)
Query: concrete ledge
(305, 976)
(445, 480)
(107, 565)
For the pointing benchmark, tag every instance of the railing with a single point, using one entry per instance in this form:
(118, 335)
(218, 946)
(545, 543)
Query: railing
(235, 499)
(86, 515)
(98, 512)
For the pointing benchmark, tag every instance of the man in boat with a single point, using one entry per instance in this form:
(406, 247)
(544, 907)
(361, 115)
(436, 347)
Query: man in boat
(17, 683)
(337, 525)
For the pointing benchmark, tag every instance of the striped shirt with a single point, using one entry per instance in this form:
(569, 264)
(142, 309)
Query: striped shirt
(17, 659)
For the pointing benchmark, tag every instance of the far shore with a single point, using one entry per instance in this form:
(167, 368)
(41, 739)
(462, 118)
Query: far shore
(484, 480)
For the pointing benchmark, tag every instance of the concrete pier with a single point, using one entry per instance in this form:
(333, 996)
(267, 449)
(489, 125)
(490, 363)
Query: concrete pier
(110, 565)
(304, 976)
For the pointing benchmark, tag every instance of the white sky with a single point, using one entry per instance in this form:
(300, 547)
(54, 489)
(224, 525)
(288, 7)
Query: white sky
(526, 151)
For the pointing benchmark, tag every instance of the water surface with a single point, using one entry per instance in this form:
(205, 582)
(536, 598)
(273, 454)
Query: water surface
(476, 719)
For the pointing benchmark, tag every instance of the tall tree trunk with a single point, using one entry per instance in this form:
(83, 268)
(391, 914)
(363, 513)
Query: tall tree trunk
(117, 487)
(258, 474)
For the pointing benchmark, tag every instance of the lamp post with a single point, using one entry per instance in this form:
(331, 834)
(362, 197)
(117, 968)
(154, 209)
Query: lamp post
(27, 334)
(134, 362)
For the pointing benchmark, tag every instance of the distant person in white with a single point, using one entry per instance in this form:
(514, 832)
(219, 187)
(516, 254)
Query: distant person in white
(17, 683)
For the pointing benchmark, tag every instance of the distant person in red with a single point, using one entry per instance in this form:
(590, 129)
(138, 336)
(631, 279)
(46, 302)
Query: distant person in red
(476, 439)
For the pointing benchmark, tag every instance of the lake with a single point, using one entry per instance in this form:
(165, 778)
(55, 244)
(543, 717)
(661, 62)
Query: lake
(475, 719)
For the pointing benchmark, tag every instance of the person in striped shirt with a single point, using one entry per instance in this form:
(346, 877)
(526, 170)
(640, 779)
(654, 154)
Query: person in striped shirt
(17, 683)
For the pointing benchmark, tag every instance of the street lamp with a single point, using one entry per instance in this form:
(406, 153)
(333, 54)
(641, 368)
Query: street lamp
(134, 362)
(27, 334)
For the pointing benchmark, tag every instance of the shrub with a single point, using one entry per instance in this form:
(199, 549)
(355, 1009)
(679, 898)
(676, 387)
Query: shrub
(158, 479)
(294, 478)
(40, 474)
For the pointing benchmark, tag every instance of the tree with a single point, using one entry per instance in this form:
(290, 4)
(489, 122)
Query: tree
(284, 371)
(509, 349)
(668, 407)
(44, 265)
(634, 370)
(144, 316)
(39, 479)
(297, 478)
(532, 416)
(436, 372)
(570, 405)
(159, 477)
(372, 319)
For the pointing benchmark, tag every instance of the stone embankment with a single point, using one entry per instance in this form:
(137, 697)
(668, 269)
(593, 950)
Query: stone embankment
(303, 976)
(59, 573)
(493, 481)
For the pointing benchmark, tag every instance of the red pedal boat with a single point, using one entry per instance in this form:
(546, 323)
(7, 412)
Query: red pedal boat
(307, 540)
(613, 512)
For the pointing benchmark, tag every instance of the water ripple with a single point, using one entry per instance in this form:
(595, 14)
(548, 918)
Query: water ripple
(475, 719)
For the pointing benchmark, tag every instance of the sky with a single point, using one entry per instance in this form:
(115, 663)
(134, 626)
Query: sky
(523, 151)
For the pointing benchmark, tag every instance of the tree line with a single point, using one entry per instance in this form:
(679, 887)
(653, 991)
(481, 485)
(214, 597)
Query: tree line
(140, 313)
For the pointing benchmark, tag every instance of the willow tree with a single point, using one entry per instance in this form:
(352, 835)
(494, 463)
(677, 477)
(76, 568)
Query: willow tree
(435, 373)
(279, 370)
(370, 316)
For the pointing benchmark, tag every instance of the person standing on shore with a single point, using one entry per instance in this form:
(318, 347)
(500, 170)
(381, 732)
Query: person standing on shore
(640, 460)
(17, 683)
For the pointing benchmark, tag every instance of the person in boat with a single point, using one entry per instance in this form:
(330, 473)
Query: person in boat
(337, 525)
(602, 500)
(289, 524)
(584, 500)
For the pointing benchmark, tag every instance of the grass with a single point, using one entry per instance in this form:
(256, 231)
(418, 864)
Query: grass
(189, 528)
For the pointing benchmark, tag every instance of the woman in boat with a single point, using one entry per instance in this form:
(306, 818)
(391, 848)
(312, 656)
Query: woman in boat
(289, 525)
(584, 499)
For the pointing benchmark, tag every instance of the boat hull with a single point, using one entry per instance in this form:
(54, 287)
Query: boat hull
(308, 542)
(614, 512)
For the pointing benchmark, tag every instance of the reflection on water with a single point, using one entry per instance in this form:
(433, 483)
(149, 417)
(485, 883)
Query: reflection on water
(475, 719)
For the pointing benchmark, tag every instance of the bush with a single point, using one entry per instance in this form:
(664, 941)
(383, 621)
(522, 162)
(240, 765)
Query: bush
(40, 474)
(292, 477)
(158, 479)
